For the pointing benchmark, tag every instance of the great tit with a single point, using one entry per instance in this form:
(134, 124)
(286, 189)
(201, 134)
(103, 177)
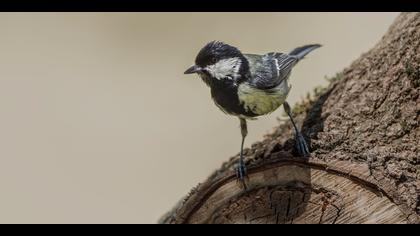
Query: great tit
(249, 85)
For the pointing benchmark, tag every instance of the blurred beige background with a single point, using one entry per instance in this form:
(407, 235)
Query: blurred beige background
(98, 124)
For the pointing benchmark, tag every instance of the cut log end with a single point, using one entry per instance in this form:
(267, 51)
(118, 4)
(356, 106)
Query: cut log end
(296, 192)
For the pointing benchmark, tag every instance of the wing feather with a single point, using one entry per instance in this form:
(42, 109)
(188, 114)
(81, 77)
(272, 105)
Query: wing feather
(269, 70)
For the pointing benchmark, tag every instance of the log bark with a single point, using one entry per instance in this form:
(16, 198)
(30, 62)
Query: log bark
(363, 132)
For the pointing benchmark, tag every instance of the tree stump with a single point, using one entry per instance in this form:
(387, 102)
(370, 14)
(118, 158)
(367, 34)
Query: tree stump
(363, 132)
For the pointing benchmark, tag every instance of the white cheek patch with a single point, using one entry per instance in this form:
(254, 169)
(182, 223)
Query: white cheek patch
(226, 68)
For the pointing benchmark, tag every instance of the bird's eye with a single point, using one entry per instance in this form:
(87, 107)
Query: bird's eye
(213, 60)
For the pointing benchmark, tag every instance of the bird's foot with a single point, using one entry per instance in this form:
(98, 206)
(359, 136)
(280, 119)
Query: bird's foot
(301, 145)
(241, 174)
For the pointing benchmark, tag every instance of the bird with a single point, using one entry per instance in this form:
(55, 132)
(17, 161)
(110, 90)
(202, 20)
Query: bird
(249, 85)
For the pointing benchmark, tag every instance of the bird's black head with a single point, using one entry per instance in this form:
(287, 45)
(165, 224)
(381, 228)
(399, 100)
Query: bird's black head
(220, 61)
(214, 52)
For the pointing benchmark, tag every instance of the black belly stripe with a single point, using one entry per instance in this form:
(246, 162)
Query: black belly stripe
(226, 96)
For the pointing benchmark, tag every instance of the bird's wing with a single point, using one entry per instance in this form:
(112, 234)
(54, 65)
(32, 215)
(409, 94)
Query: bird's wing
(269, 70)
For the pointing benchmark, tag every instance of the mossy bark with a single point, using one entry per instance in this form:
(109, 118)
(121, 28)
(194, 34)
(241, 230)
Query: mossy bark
(364, 134)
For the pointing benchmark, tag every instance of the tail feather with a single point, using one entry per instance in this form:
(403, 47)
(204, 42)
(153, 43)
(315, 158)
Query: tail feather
(301, 52)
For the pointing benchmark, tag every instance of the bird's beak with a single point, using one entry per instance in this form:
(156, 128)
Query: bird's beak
(193, 69)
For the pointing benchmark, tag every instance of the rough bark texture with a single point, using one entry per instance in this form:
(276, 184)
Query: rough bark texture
(364, 134)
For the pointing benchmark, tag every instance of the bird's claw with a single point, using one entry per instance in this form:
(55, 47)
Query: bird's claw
(301, 145)
(241, 174)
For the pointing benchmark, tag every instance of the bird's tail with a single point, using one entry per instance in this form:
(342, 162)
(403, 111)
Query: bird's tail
(301, 52)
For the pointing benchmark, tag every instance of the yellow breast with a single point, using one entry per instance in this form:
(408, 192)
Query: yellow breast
(262, 102)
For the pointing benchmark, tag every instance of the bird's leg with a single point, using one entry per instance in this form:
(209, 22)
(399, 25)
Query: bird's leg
(241, 170)
(301, 145)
